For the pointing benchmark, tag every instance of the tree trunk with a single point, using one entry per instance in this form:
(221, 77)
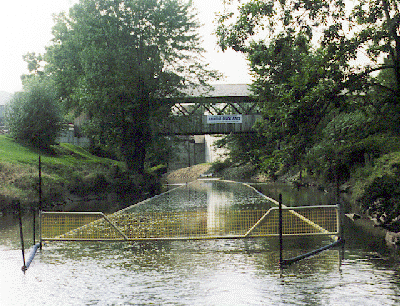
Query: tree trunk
(133, 148)
(394, 51)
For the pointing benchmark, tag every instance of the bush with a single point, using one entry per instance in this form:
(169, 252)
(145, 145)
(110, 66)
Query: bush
(218, 165)
(90, 184)
(381, 200)
(328, 160)
(33, 115)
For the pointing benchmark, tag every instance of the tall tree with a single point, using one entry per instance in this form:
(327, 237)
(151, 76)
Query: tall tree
(116, 59)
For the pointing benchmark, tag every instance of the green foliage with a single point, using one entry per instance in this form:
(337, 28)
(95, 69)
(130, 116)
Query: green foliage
(379, 34)
(384, 165)
(341, 146)
(34, 66)
(33, 115)
(244, 148)
(274, 162)
(62, 156)
(348, 126)
(297, 89)
(342, 29)
(300, 17)
(218, 166)
(329, 159)
(381, 200)
(68, 170)
(385, 112)
(158, 151)
(93, 183)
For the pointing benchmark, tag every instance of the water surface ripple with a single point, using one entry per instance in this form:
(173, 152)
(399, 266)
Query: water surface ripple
(212, 272)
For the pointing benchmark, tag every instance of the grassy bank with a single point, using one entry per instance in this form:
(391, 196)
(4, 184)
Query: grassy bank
(71, 177)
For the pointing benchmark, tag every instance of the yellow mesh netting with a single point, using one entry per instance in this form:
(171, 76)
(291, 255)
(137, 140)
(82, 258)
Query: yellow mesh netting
(313, 220)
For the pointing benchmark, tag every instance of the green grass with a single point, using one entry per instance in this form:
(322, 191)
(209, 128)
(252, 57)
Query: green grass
(64, 154)
(14, 153)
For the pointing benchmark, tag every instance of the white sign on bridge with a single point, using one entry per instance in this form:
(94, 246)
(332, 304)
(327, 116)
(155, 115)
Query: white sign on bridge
(211, 119)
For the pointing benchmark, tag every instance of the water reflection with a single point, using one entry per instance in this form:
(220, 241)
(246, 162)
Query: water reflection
(199, 209)
(296, 196)
(200, 194)
(214, 272)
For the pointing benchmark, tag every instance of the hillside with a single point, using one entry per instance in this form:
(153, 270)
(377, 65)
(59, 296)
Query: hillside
(73, 179)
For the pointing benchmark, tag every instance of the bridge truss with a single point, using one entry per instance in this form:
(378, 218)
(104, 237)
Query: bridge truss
(189, 113)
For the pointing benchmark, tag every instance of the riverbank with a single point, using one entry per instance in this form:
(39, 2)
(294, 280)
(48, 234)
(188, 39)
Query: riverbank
(242, 173)
(72, 180)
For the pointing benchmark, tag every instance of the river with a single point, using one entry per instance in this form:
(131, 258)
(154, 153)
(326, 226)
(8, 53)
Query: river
(209, 272)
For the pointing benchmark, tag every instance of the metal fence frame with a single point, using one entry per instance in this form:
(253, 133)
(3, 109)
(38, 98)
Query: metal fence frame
(297, 212)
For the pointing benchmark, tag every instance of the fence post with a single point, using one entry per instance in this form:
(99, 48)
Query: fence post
(40, 200)
(280, 232)
(40, 182)
(40, 230)
(21, 234)
(34, 224)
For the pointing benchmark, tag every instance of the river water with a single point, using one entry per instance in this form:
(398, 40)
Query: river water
(211, 272)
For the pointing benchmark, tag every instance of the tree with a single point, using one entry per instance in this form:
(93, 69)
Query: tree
(117, 60)
(305, 59)
(33, 115)
(296, 82)
(266, 19)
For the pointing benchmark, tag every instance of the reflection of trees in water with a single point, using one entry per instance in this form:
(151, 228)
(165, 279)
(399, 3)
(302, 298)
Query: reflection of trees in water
(293, 196)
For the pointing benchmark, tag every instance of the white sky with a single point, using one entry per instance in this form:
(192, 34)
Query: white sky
(25, 26)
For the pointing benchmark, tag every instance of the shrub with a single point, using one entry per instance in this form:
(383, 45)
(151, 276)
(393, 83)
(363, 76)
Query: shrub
(381, 200)
(33, 115)
(218, 165)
